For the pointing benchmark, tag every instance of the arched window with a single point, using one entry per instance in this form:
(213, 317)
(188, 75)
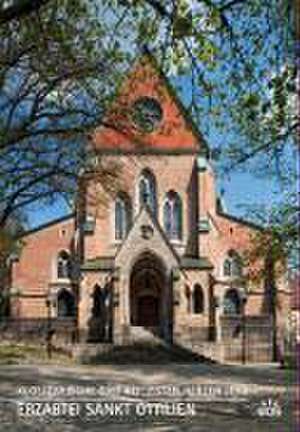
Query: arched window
(147, 191)
(173, 216)
(233, 265)
(227, 267)
(63, 265)
(198, 300)
(65, 304)
(232, 303)
(237, 265)
(122, 216)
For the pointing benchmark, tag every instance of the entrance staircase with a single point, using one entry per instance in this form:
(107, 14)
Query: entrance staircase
(146, 346)
(149, 335)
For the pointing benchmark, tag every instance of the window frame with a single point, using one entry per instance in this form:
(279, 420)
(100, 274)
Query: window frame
(63, 265)
(147, 177)
(123, 200)
(234, 262)
(175, 232)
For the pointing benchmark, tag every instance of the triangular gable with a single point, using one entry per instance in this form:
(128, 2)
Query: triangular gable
(146, 235)
(175, 132)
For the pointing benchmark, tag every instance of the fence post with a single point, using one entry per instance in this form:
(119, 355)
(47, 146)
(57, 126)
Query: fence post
(244, 341)
(49, 330)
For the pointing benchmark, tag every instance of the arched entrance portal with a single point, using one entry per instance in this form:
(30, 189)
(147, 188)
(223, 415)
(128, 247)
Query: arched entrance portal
(148, 301)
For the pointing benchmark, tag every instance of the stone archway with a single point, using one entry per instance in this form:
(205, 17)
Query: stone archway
(148, 293)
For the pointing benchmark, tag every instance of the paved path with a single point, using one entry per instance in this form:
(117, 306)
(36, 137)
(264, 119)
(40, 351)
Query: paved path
(246, 389)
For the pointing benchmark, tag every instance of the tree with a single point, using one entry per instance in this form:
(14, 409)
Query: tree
(50, 57)
(9, 247)
(10, 10)
(62, 61)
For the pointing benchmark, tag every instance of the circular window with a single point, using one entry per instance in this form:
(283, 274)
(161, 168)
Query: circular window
(146, 114)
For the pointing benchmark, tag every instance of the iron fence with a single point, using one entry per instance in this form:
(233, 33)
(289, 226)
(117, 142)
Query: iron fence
(248, 339)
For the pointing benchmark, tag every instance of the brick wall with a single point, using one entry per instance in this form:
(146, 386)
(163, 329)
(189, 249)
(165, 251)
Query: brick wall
(173, 172)
(36, 267)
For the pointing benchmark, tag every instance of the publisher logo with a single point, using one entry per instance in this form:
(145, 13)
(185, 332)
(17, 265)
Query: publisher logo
(269, 408)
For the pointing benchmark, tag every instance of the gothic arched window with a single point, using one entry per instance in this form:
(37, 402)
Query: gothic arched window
(122, 216)
(65, 304)
(227, 267)
(63, 265)
(173, 216)
(237, 265)
(198, 300)
(233, 265)
(147, 191)
(232, 303)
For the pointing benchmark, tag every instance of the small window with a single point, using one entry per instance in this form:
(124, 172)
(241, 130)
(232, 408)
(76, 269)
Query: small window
(147, 191)
(173, 216)
(233, 265)
(63, 265)
(232, 303)
(227, 267)
(198, 300)
(237, 266)
(122, 216)
(63, 232)
(65, 304)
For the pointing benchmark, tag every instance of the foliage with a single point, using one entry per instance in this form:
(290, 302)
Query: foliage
(9, 247)
(49, 99)
(280, 237)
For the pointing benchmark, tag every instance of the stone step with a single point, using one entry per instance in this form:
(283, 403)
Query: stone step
(150, 335)
(139, 352)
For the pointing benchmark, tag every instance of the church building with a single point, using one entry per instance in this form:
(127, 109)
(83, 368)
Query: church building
(154, 256)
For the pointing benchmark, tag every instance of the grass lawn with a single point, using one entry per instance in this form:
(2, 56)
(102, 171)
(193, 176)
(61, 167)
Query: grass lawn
(20, 353)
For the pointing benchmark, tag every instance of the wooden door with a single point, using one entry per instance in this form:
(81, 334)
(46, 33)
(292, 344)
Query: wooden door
(148, 314)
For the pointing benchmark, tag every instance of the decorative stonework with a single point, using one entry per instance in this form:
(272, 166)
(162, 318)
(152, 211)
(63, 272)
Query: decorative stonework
(147, 232)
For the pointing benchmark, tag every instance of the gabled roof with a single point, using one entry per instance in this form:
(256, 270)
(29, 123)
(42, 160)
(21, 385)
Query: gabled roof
(175, 133)
(239, 220)
(48, 224)
(146, 218)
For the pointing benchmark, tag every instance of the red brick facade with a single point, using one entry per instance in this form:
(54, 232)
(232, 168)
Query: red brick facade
(35, 271)
(148, 275)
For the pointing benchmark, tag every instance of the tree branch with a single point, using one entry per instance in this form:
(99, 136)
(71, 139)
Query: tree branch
(263, 146)
(230, 4)
(19, 9)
